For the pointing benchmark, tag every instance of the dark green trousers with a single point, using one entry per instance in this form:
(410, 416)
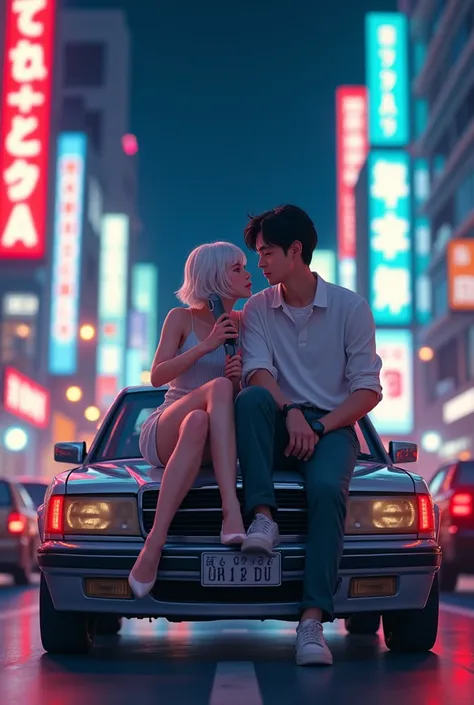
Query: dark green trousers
(261, 440)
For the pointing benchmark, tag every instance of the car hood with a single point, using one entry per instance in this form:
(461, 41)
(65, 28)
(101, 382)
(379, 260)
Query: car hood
(127, 476)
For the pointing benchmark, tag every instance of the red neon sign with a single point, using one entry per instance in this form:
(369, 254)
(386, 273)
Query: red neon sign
(351, 153)
(26, 399)
(24, 135)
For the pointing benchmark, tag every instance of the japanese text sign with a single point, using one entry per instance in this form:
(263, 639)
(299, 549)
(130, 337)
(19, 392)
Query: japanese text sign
(26, 399)
(351, 148)
(66, 273)
(461, 275)
(25, 126)
(387, 79)
(395, 413)
(390, 275)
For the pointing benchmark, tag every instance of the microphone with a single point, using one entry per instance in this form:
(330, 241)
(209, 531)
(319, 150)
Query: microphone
(216, 307)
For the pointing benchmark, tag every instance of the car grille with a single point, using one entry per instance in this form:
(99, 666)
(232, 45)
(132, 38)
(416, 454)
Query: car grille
(200, 513)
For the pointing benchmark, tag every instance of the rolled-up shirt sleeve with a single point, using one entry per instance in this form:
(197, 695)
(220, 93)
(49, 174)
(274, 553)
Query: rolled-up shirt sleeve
(256, 351)
(363, 364)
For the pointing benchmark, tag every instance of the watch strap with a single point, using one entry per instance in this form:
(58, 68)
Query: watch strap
(289, 407)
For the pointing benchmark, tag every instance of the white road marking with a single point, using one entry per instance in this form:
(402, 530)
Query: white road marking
(23, 611)
(455, 609)
(235, 683)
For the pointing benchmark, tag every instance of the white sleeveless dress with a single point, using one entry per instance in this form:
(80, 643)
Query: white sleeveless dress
(207, 368)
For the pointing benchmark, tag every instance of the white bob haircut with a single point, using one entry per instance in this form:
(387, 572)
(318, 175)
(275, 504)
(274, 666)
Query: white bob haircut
(206, 273)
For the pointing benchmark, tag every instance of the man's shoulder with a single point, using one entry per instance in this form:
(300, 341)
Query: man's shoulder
(345, 297)
(261, 300)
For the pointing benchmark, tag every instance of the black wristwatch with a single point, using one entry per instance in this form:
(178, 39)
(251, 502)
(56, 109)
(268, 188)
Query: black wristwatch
(288, 407)
(318, 428)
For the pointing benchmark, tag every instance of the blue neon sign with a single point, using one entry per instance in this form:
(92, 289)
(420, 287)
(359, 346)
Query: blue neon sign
(386, 44)
(390, 241)
(66, 270)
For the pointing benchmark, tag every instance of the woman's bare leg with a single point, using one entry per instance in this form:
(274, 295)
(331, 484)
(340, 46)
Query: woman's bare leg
(178, 477)
(220, 407)
(216, 400)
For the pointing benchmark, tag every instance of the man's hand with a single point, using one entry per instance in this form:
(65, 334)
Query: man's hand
(303, 439)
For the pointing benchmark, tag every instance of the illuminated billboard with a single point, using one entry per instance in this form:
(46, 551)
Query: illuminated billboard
(113, 298)
(351, 153)
(386, 44)
(422, 242)
(67, 246)
(26, 399)
(145, 301)
(461, 274)
(324, 263)
(25, 126)
(390, 248)
(395, 413)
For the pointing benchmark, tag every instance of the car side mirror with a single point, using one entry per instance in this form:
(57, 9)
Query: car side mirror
(403, 452)
(71, 453)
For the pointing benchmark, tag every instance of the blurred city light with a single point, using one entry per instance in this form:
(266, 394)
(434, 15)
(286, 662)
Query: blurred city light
(87, 332)
(74, 393)
(465, 455)
(130, 145)
(23, 331)
(15, 439)
(425, 354)
(92, 413)
(431, 441)
(146, 379)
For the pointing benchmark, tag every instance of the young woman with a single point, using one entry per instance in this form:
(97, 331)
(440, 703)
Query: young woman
(195, 424)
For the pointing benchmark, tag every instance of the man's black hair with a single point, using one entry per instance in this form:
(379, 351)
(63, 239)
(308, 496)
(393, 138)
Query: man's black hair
(281, 227)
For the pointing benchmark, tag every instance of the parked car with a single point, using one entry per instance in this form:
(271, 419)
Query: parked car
(452, 487)
(36, 488)
(96, 517)
(19, 539)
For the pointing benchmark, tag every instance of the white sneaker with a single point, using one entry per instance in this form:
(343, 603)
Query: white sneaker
(311, 647)
(262, 536)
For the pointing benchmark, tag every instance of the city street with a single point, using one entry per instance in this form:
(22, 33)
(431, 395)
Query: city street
(231, 663)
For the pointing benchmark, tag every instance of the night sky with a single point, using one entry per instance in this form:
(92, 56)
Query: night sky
(233, 107)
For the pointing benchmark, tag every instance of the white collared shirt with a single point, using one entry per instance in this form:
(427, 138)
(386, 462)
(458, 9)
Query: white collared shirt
(320, 360)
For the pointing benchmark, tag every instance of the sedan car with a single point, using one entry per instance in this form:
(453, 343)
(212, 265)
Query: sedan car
(36, 488)
(452, 487)
(19, 539)
(96, 517)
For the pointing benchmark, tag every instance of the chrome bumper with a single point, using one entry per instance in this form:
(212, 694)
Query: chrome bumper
(66, 565)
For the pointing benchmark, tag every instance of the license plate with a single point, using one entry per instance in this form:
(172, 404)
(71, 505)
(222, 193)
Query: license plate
(239, 570)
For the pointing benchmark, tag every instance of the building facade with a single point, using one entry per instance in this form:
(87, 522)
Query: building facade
(441, 40)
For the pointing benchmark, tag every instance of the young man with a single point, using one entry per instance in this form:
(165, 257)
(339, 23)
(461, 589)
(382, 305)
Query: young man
(308, 358)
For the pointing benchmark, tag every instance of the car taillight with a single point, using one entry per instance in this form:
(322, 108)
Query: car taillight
(425, 514)
(461, 505)
(16, 523)
(55, 515)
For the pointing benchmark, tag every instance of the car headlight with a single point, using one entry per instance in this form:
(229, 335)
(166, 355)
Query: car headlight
(382, 515)
(112, 516)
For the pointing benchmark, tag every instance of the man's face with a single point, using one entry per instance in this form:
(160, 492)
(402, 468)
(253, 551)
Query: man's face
(276, 266)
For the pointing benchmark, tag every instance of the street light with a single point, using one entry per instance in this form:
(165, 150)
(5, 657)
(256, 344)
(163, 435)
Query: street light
(23, 331)
(426, 354)
(431, 441)
(15, 439)
(87, 332)
(92, 413)
(74, 393)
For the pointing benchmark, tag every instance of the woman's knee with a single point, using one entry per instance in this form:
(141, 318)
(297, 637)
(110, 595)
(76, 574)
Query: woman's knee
(221, 388)
(196, 425)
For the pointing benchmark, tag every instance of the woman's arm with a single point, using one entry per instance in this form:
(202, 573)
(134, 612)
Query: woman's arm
(167, 365)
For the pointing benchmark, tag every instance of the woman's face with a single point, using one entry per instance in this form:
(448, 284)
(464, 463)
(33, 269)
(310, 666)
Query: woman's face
(239, 281)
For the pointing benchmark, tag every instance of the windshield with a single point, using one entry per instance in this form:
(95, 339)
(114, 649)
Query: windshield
(466, 473)
(36, 491)
(118, 438)
(5, 494)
